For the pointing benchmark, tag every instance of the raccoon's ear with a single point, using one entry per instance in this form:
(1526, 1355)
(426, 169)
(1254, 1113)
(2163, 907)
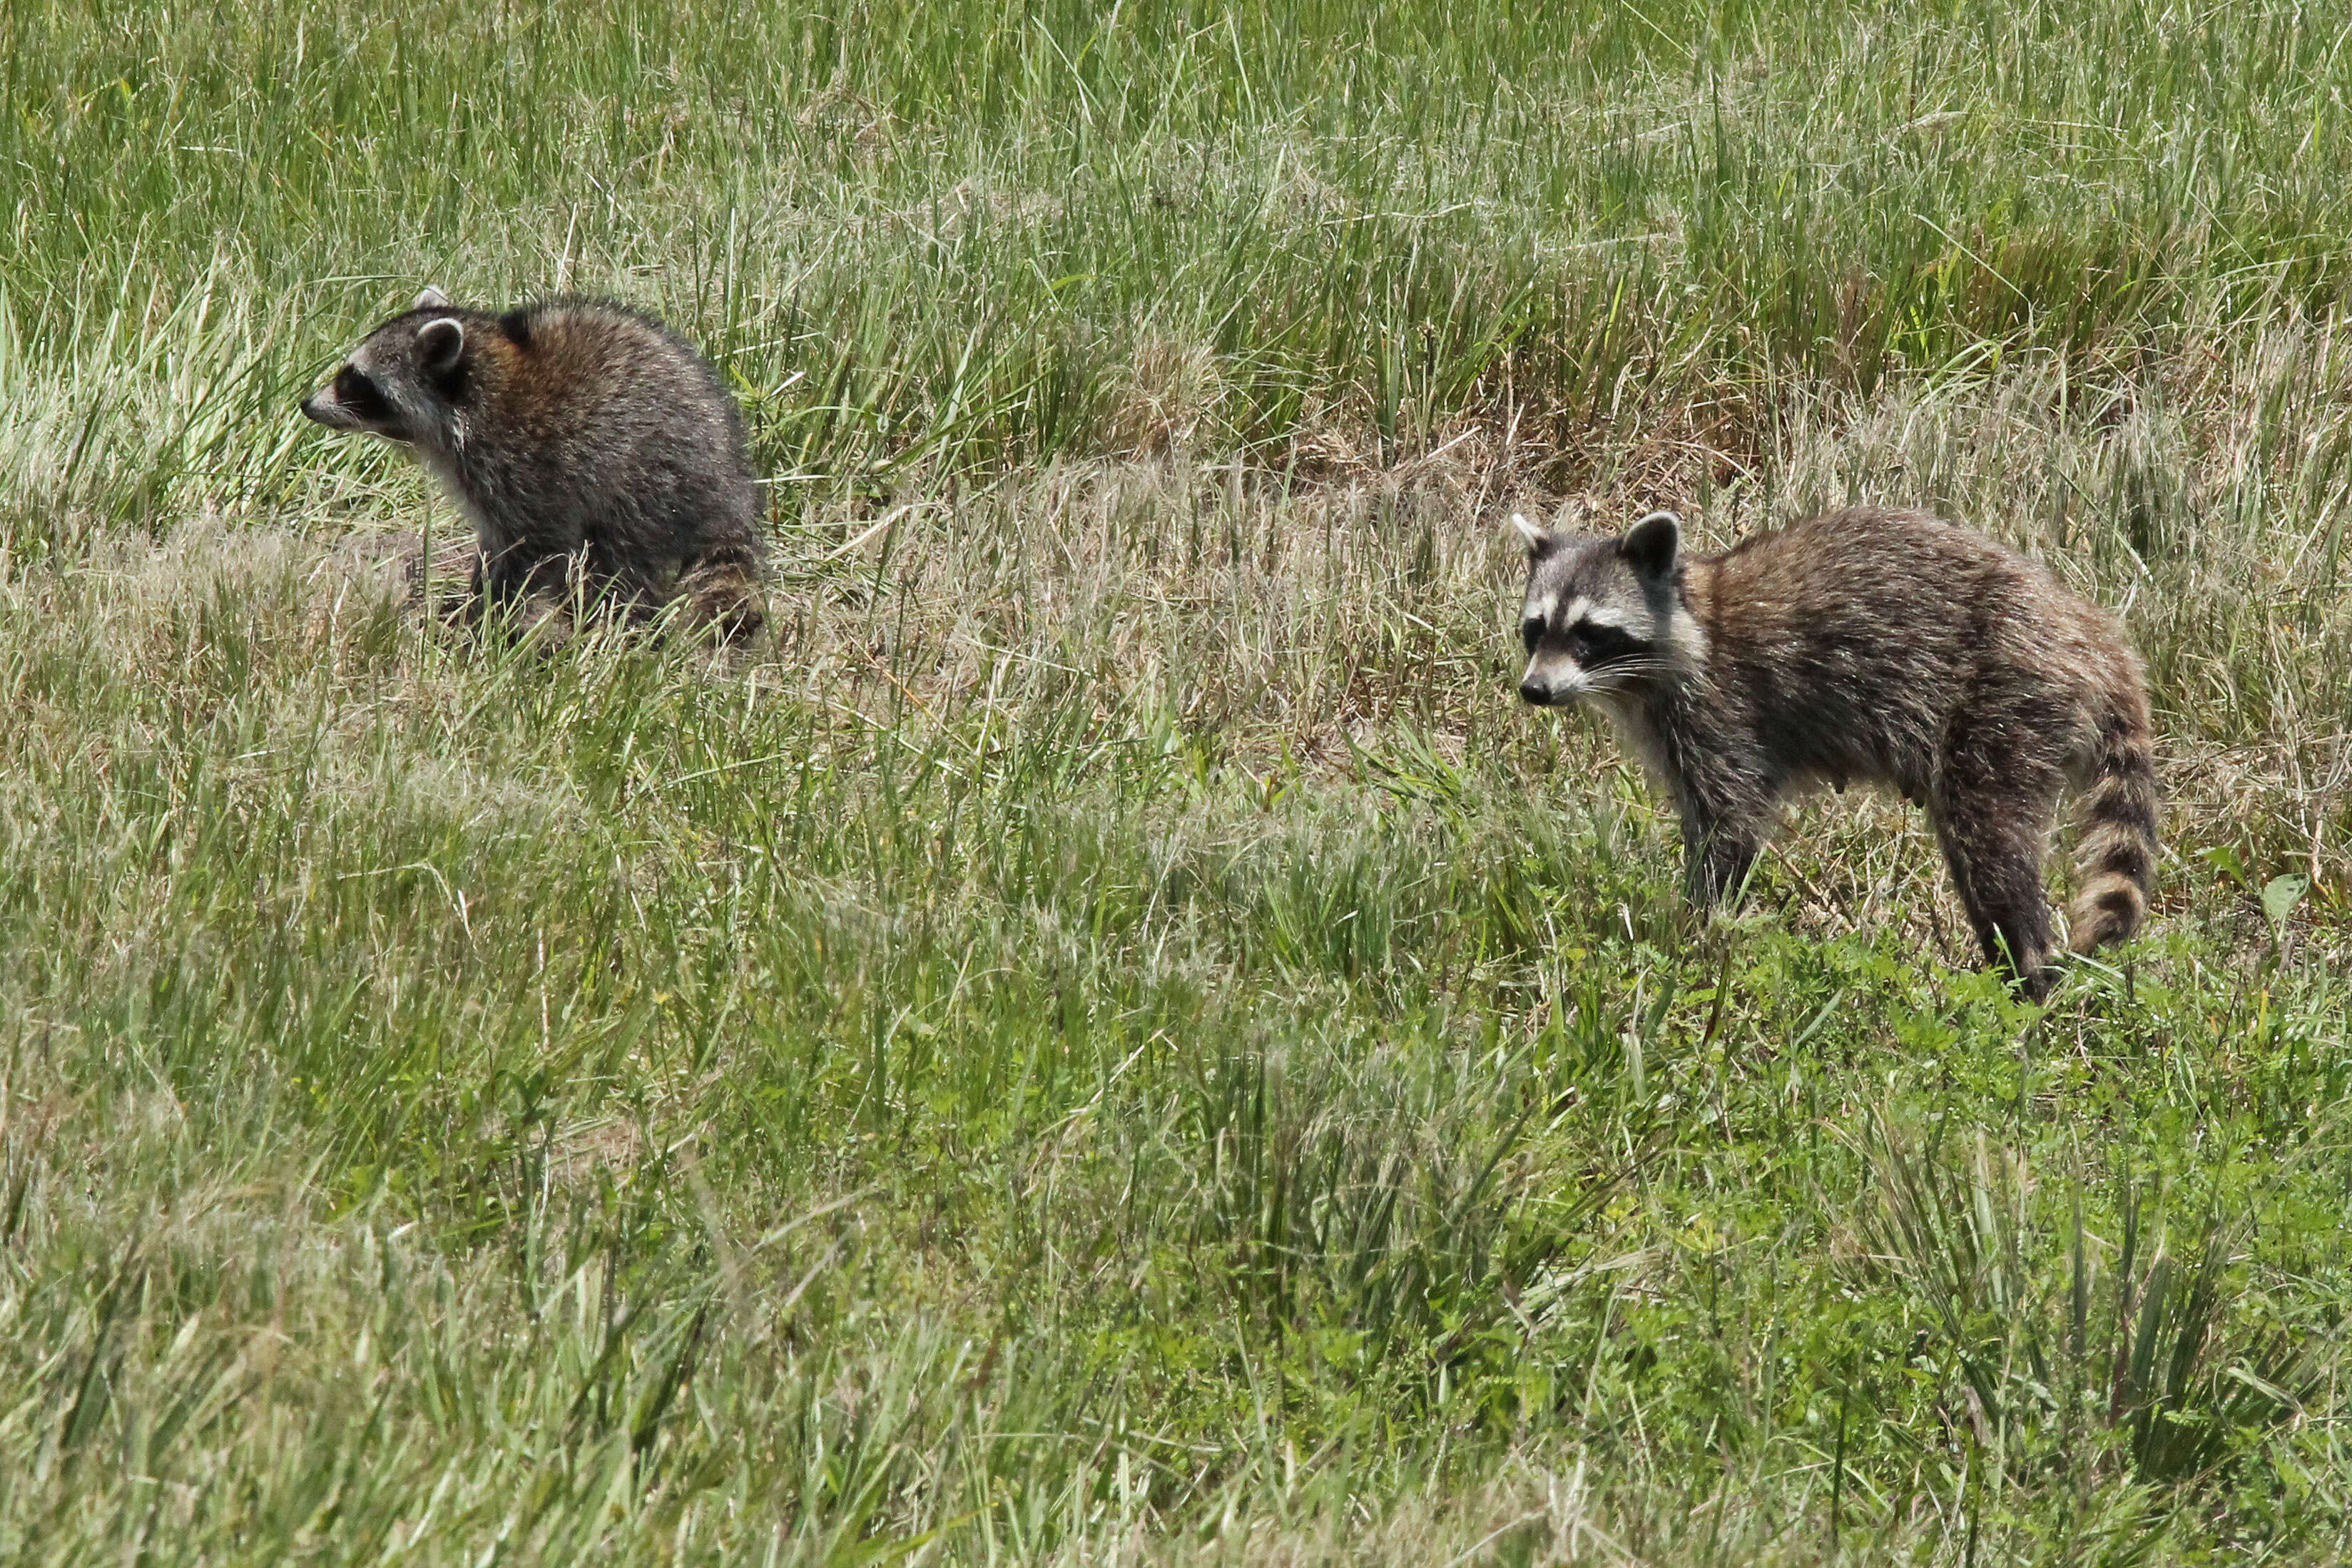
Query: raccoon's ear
(439, 344)
(1539, 543)
(431, 299)
(1651, 545)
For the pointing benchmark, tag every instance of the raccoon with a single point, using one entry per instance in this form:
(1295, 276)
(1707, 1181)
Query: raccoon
(596, 454)
(1873, 645)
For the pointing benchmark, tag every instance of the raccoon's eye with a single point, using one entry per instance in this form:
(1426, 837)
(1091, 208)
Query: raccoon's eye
(1531, 631)
(355, 392)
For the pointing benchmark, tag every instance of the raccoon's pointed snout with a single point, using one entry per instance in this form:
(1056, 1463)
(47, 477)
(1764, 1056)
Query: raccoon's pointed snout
(1554, 688)
(1552, 680)
(321, 408)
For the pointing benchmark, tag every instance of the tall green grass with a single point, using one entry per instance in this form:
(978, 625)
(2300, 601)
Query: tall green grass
(958, 236)
(1117, 1040)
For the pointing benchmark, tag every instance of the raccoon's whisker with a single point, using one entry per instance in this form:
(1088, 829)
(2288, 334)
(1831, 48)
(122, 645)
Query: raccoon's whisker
(1626, 671)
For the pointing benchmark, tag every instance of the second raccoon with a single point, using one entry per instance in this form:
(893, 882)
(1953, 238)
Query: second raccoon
(596, 454)
(1865, 645)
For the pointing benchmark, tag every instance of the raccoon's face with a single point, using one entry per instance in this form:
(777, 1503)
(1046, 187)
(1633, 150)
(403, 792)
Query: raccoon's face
(1604, 616)
(402, 379)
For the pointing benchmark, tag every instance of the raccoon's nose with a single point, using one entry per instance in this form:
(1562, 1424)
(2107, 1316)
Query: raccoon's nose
(1530, 692)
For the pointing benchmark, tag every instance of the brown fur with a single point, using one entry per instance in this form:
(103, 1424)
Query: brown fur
(598, 459)
(1875, 647)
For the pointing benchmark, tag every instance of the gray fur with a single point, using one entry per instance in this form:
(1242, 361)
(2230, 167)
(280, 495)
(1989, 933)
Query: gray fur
(596, 454)
(1864, 645)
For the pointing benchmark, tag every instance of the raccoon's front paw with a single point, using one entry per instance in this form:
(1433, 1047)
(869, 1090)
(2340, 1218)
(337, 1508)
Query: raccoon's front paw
(544, 622)
(446, 584)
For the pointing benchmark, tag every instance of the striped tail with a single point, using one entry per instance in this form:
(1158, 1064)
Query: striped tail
(722, 592)
(2117, 861)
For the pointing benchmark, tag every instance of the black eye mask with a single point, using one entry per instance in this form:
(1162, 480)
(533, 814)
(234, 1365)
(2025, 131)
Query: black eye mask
(1597, 645)
(355, 392)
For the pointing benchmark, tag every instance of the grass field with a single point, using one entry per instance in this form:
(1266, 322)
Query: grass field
(1117, 1040)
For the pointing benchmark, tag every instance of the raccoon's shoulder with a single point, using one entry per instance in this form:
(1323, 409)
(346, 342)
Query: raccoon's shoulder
(578, 347)
(569, 325)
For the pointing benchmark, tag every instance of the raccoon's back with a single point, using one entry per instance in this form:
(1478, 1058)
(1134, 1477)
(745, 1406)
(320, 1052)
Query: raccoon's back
(1852, 636)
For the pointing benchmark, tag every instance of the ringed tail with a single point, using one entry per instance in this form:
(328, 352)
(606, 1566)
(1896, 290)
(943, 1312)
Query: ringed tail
(2117, 860)
(722, 591)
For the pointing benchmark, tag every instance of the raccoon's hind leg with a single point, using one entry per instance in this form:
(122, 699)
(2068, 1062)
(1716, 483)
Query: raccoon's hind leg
(1992, 817)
